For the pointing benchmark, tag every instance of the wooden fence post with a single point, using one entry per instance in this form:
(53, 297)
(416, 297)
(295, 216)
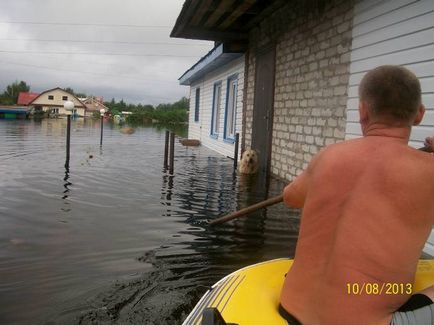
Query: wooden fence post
(166, 149)
(172, 153)
(237, 142)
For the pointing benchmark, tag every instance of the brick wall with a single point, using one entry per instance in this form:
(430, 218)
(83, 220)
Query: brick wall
(248, 101)
(311, 82)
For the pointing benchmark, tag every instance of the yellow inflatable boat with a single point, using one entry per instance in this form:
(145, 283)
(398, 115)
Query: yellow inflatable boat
(251, 295)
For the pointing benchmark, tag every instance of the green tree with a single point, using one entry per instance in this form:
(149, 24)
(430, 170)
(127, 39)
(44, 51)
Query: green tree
(81, 95)
(10, 95)
(165, 113)
(71, 91)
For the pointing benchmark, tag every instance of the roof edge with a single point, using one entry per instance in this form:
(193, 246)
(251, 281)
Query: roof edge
(223, 52)
(58, 88)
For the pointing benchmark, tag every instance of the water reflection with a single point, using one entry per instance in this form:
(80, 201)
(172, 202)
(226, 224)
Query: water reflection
(166, 189)
(206, 188)
(66, 186)
(128, 221)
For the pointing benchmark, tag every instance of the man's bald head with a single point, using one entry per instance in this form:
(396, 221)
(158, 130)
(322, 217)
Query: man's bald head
(391, 92)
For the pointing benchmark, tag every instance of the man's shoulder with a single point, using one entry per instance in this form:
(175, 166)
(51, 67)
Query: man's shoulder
(342, 149)
(336, 154)
(426, 160)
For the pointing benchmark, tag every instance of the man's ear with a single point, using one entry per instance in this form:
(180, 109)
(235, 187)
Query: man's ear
(363, 112)
(419, 115)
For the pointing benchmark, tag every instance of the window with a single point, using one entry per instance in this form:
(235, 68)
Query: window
(196, 105)
(64, 97)
(231, 107)
(50, 97)
(215, 120)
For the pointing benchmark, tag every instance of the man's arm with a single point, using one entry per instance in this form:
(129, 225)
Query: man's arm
(294, 193)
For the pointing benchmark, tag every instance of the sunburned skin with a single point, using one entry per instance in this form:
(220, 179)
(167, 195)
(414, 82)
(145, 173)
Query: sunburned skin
(368, 209)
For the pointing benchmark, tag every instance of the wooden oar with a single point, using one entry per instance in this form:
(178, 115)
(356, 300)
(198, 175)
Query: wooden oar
(267, 203)
(250, 209)
(426, 149)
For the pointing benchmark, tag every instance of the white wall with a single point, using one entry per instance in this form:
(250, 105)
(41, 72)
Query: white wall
(201, 130)
(394, 32)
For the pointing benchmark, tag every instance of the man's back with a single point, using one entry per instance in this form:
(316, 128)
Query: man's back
(368, 211)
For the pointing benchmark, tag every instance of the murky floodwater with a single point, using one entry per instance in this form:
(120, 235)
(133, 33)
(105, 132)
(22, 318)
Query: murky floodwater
(116, 239)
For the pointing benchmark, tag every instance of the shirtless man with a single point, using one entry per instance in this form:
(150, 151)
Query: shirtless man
(368, 209)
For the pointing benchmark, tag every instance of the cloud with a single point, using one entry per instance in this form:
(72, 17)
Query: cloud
(82, 44)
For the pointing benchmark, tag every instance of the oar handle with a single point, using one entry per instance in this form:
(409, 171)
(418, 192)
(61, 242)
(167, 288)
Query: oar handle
(252, 208)
(426, 149)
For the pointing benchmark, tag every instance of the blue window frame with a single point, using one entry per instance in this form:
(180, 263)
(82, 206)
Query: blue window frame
(231, 108)
(216, 103)
(196, 105)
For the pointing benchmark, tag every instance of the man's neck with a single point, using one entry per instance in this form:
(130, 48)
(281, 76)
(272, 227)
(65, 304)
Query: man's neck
(397, 132)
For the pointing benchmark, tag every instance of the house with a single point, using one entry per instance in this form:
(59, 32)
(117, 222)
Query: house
(216, 97)
(52, 101)
(93, 104)
(304, 61)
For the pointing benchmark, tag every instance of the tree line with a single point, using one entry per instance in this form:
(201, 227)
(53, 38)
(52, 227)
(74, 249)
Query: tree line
(10, 94)
(176, 112)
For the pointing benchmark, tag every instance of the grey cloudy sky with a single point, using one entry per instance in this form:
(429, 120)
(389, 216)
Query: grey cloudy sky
(89, 39)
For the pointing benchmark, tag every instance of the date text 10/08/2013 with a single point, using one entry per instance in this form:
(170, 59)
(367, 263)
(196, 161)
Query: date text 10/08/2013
(379, 288)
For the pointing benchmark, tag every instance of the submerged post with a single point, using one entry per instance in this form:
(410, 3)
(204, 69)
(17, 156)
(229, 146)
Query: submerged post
(237, 143)
(68, 139)
(172, 152)
(102, 111)
(69, 106)
(166, 149)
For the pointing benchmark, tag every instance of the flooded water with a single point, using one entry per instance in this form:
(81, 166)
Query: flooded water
(115, 239)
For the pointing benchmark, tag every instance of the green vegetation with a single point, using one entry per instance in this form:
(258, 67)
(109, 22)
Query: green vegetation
(96, 115)
(71, 91)
(10, 95)
(163, 113)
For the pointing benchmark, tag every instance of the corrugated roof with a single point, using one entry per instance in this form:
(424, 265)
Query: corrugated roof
(26, 98)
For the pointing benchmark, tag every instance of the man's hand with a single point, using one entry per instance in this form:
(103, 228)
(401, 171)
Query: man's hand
(429, 144)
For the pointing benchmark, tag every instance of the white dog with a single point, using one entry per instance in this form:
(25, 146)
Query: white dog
(248, 162)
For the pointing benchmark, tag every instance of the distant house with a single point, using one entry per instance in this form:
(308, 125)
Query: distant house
(304, 62)
(52, 101)
(93, 104)
(216, 99)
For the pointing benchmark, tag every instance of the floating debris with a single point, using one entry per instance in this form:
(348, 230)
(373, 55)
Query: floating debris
(190, 142)
(127, 130)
